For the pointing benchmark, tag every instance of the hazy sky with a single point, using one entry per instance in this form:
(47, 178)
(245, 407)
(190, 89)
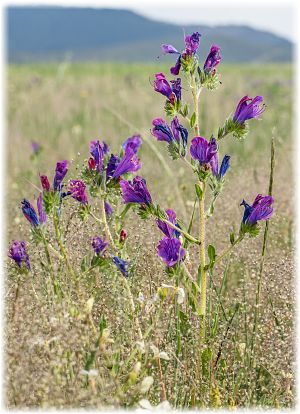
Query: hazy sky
(279, 20)
(277, 16)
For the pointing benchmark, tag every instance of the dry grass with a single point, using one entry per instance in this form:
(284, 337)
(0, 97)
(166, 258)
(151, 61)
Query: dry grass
(48, 340)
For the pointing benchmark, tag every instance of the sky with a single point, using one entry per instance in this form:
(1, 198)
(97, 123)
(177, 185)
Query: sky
(279, 20)
(277, 16)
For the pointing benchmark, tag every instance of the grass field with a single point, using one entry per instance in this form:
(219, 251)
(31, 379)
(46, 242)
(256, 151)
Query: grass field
(48, 340)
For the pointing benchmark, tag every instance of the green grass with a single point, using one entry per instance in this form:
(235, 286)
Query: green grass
(49, 341)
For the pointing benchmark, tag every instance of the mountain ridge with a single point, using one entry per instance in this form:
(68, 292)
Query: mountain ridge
(47, 33)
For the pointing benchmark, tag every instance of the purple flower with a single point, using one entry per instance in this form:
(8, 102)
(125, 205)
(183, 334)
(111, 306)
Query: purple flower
(169, 49)
(30, 213)
(224, 166)
(179, 131)
(112, 165)
(105, 148)
(248, 108)
(176, 68)
(18, 253)
(162, 86)
(77, 190)
(164, 227)
(163, 132)
(98, 245)
(132, 143)
(97, 150)
(129, 163)
(42, 214)
(35, 146)
(122, 265)
(171, 251)
(135, 191)
(215, 167)
(60, 172)
(261, 209)
(192, 43)
(176, 88)
(45, 182)
(203, 150)
(213, 59)
(108, 208)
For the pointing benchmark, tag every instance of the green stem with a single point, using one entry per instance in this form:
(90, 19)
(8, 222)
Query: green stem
(106, 227)
(187, 235)
(202, 260)
(228, 250)
(62, 247)
(195, 101)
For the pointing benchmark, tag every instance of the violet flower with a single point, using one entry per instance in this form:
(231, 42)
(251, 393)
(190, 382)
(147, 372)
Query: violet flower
(191, 46)
(122, 265)
(36, 147)
(171, 251)
(163, 132)
(108, 208)
(212, 60)
(248, 108)
(162, 86)
(45, 182)
(18, 253)
(192, 43)
(30, 213)
(132, 143)
(203, 150)
(77, 191)
(261, 209)
(129, 163)
(60, 172)
(135, 191)
(219, 173)
(112, 164)
(97, 150)
(41, 212)
(99, 245)
(164, 227)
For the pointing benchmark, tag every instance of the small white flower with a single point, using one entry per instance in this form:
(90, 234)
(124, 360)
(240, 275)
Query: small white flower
(146, 384)
(141, 297)
(90, 373)
(141, 346)
(155, 351)
(164, 355)
(180, 295)
(145, 404)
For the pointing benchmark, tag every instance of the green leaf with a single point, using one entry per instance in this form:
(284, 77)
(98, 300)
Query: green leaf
(231, 238)
(185, 110)
(212, 255)
(206, 358)
(173, 150)
(199, 191)
(193, 120)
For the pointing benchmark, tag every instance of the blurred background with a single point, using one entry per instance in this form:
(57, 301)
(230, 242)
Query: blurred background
(245, 34)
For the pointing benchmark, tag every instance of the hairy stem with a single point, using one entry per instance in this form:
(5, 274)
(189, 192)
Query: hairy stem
(187, 235)
(106, 227)
(202, 260)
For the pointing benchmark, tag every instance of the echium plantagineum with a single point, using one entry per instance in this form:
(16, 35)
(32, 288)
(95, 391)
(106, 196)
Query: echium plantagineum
(182, 134)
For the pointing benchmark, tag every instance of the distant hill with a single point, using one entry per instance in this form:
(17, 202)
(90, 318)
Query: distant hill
(50, 33)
